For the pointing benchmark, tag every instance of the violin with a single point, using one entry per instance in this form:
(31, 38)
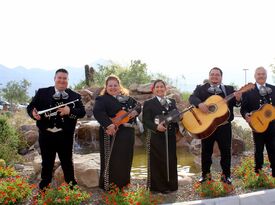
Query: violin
(122, 116)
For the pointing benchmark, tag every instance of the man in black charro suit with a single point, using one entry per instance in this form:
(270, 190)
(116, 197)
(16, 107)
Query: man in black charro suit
(223, 133)
(56, 130)
(263, 93)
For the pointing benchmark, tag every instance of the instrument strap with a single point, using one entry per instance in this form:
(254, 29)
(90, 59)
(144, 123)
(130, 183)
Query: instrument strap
(148, 149)
(107, 156)
(167, 155)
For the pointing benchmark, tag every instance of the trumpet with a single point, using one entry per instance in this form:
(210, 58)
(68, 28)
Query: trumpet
(54, 108)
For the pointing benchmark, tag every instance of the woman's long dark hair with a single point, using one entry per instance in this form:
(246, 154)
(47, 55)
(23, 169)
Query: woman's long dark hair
(157, 81)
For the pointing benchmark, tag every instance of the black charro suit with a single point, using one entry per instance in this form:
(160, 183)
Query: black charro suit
(156, 145)
(222, 134)
(119, 169)
(252, 101)
(56, 142)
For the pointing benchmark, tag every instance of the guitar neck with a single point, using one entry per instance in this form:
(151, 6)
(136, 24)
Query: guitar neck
(243, 89)
(229, 97)
(186, 109)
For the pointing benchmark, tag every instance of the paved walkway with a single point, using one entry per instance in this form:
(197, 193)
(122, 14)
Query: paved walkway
(265, 197)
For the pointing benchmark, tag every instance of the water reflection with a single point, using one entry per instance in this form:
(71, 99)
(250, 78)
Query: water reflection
(185, 163)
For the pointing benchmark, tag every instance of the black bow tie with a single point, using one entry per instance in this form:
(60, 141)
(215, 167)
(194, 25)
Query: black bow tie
(60, 95)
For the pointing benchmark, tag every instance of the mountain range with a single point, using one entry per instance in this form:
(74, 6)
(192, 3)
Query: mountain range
(42, 78)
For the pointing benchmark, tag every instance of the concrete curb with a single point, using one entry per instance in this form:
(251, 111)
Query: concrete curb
(265, 197)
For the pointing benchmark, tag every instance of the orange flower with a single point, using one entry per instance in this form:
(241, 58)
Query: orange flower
(67, 198)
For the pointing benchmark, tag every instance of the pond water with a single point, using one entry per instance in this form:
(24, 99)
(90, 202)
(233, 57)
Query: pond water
(139, 167)
(185, 162)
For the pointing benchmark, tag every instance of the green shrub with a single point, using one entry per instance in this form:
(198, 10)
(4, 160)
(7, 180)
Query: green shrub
(185, 96)
(250, 179)
(7, 172)
(213, 189)
(7, 114)
(62, 195)
(129, 195)
(2, 163)
(18, 119)
(9, 141)
(15, 190)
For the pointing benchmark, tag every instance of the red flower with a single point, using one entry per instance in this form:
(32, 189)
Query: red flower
(67, 198)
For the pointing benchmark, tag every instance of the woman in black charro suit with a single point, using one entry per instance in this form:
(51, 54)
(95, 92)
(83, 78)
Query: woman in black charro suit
(116, 160)
(160, 178)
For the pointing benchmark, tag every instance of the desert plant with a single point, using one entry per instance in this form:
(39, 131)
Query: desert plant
(213, 188)
(14, 189)
(2, 163)
(138, 195)
(9, 141)
(7, 172)
(64, 194)
(245, 171)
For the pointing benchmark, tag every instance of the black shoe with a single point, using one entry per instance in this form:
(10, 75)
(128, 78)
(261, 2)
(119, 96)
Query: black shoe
(166, 192)
(204, 179)
(226, 180)
(155, 192)
(161, 192)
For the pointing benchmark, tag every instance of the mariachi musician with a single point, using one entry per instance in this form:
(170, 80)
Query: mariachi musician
(161, 141)
(56, 127)
(262, 94)
(223, 133)
(116, 142)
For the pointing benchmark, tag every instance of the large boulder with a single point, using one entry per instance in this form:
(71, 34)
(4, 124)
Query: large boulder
(28, 134)
(86, 168)
(142, 97)
(37, 164)
(26, 128)
(144, 88)
(140, 92)
(87, 135)
(88, 96)
(238, 146)
(195, 146)
(31, 137)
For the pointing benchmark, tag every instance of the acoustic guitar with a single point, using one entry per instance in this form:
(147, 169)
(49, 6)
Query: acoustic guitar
(204, 124)
(123, 116)
(261, 118)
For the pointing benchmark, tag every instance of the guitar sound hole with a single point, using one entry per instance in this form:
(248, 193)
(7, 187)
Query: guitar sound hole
(212, 108)
(268, 113)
